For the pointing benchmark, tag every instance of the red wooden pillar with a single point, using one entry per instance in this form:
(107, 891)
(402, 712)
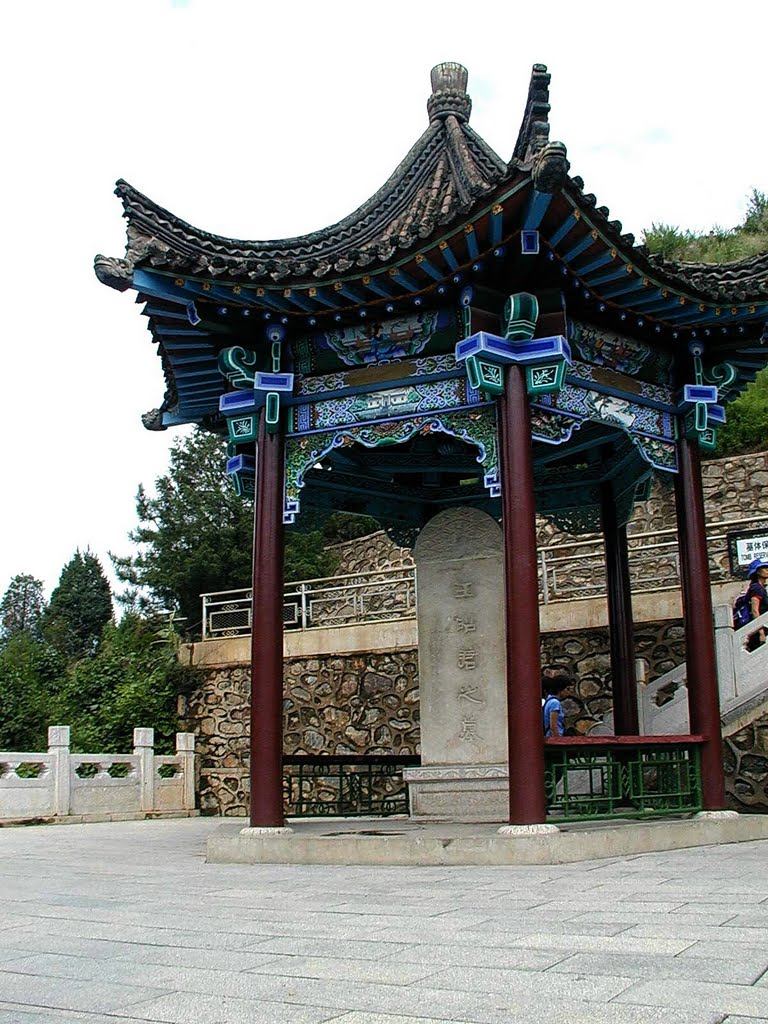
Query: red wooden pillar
(703, 693)
(527, 804)
(620, 624)
(267, 633)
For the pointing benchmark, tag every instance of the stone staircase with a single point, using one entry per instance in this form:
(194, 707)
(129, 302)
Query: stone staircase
(743, 678)
(742, 674)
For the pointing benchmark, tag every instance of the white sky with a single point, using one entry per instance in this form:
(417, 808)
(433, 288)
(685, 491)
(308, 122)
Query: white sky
(268, 119)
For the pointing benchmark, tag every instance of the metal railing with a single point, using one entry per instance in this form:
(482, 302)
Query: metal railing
(377, 596)
(571, 571)
(622, 777)
(345, 786)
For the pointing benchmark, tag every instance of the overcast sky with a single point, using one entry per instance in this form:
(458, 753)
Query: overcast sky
(265, 120)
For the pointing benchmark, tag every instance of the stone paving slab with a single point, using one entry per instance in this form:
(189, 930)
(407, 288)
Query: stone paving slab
(10, 1014)
(744, 971)
(187, 1008)
(69, 993)
(125, 922)
(707, 996)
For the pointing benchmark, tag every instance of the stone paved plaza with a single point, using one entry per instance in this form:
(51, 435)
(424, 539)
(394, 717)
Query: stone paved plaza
(123, 922)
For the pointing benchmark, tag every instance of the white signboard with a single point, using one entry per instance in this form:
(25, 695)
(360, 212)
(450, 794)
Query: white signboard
(750, 548)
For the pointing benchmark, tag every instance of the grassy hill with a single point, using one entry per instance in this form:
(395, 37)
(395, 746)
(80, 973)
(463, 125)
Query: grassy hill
(747, 426)
(720, 245)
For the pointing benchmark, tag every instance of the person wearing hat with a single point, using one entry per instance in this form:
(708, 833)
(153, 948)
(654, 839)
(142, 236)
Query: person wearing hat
(757, 593)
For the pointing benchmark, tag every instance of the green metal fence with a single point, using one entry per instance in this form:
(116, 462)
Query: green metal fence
(346, 785)
(626, 777)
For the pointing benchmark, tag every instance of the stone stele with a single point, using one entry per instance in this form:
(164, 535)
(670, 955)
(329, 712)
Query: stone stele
(462, 691)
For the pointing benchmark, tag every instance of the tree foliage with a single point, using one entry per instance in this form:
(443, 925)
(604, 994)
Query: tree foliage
(80, 607)
(22, 606)
(132, 680)
(195, 535)
(746, 428)
(30, 675)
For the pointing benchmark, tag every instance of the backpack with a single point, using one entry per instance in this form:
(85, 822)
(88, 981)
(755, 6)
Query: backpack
(741, 611)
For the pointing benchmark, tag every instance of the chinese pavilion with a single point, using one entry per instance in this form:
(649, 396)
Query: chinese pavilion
(478, 333)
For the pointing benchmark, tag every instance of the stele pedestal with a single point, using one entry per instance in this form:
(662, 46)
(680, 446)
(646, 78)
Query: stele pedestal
(462, 689)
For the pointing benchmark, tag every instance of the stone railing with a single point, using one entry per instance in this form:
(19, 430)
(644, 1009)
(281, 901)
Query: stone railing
(742, 676)
(60, 785)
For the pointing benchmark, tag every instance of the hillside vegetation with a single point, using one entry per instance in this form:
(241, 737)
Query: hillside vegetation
(720, 245)
(747, 427)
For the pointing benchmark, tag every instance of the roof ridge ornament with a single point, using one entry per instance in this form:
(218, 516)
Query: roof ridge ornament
(449, 93)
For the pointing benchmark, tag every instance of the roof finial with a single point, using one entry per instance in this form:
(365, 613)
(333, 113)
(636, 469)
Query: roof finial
(449, 93)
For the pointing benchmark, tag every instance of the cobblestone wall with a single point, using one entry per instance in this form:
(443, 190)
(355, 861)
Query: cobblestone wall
(369, 704)
(746, 766)
(586, 654)
(360, 704)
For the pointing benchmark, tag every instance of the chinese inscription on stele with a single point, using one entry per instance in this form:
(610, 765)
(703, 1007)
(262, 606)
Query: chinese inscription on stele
(469, 695)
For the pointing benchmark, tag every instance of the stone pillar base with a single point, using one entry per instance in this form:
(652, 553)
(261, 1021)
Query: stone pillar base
(457, 792)
(266, 830)
(522, 831)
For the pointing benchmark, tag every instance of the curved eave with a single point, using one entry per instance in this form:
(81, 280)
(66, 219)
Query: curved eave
(189, 358)
(592, 251)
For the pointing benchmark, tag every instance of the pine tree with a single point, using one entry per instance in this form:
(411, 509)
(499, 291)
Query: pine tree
(22, 606)
(80, 607)
(195, 536)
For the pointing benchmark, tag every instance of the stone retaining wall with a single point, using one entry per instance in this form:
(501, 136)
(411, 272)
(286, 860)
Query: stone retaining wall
(369, 704)
(746, 766)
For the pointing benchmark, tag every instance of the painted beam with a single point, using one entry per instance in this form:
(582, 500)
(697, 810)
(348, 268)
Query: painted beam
(322, 296)
(607, 257)
(633, 285)
(580, 247)
(160, 287)
(300, 299)
(447, 254)
(568, 225)
(349, 293)
(425, 264)
(537, 206)
(379, 285)
(171, 346)
(401, 278)
(496, 224)
(613, 275)
(180, 332)
(646, 301)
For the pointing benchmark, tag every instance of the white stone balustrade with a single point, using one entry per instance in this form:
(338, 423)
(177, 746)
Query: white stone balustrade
(742, 677)
(60, 785)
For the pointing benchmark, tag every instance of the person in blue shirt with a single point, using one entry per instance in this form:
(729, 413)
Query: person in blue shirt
(553, 715)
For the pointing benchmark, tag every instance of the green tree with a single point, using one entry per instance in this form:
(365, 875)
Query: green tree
(746, 428)
(22, 606)
(195, 536)
(132, 680)
(30, 676)
(80, 607)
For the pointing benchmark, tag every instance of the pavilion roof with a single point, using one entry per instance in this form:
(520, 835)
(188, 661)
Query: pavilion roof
(453, 212)
(448, 178)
